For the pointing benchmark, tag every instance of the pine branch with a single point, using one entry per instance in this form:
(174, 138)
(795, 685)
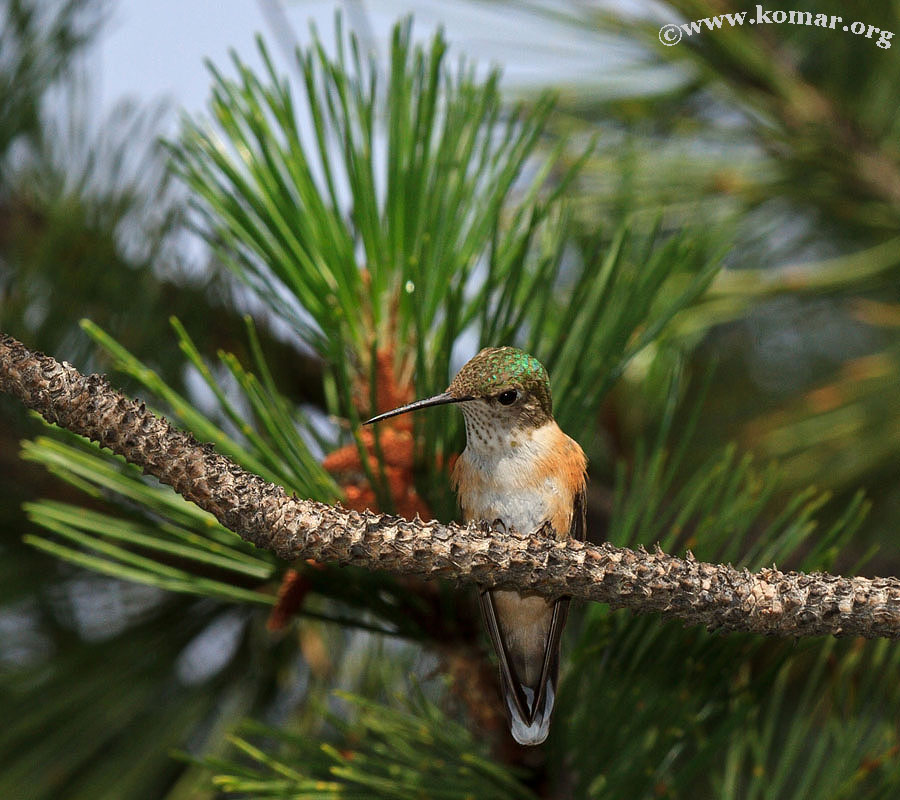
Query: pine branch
(717, 596)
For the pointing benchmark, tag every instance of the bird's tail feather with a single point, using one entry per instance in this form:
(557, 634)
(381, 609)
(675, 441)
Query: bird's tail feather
(529, 707)
(535, 730)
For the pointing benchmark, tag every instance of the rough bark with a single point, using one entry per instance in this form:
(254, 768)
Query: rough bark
(717, 596)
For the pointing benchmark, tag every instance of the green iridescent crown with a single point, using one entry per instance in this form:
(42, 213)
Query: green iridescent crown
(497, 369)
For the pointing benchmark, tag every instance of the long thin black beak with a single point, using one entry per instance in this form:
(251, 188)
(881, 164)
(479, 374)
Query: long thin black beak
(438, 400)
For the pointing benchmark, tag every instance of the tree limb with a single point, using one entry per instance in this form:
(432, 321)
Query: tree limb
(717, 596)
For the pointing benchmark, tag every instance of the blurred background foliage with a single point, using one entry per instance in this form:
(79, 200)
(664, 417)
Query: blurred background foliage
(701, 244)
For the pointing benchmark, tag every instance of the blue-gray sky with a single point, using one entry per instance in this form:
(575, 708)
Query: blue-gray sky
(154, 50)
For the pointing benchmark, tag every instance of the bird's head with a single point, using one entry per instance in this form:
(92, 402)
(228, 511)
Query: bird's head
(500, 386)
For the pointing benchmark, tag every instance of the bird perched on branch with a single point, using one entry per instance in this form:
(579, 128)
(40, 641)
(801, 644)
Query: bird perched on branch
(518, 470)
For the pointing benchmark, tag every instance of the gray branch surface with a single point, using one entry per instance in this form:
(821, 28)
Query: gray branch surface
(717, 596)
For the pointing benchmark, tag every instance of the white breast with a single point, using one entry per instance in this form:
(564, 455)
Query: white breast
(510, 485)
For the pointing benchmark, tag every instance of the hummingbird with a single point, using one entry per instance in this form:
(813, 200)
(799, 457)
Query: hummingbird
(518, 470)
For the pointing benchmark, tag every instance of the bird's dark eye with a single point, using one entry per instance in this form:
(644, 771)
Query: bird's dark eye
(508, 397)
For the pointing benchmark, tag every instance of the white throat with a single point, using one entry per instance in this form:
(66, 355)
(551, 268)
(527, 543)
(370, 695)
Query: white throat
(489, 434)
(503, 451)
